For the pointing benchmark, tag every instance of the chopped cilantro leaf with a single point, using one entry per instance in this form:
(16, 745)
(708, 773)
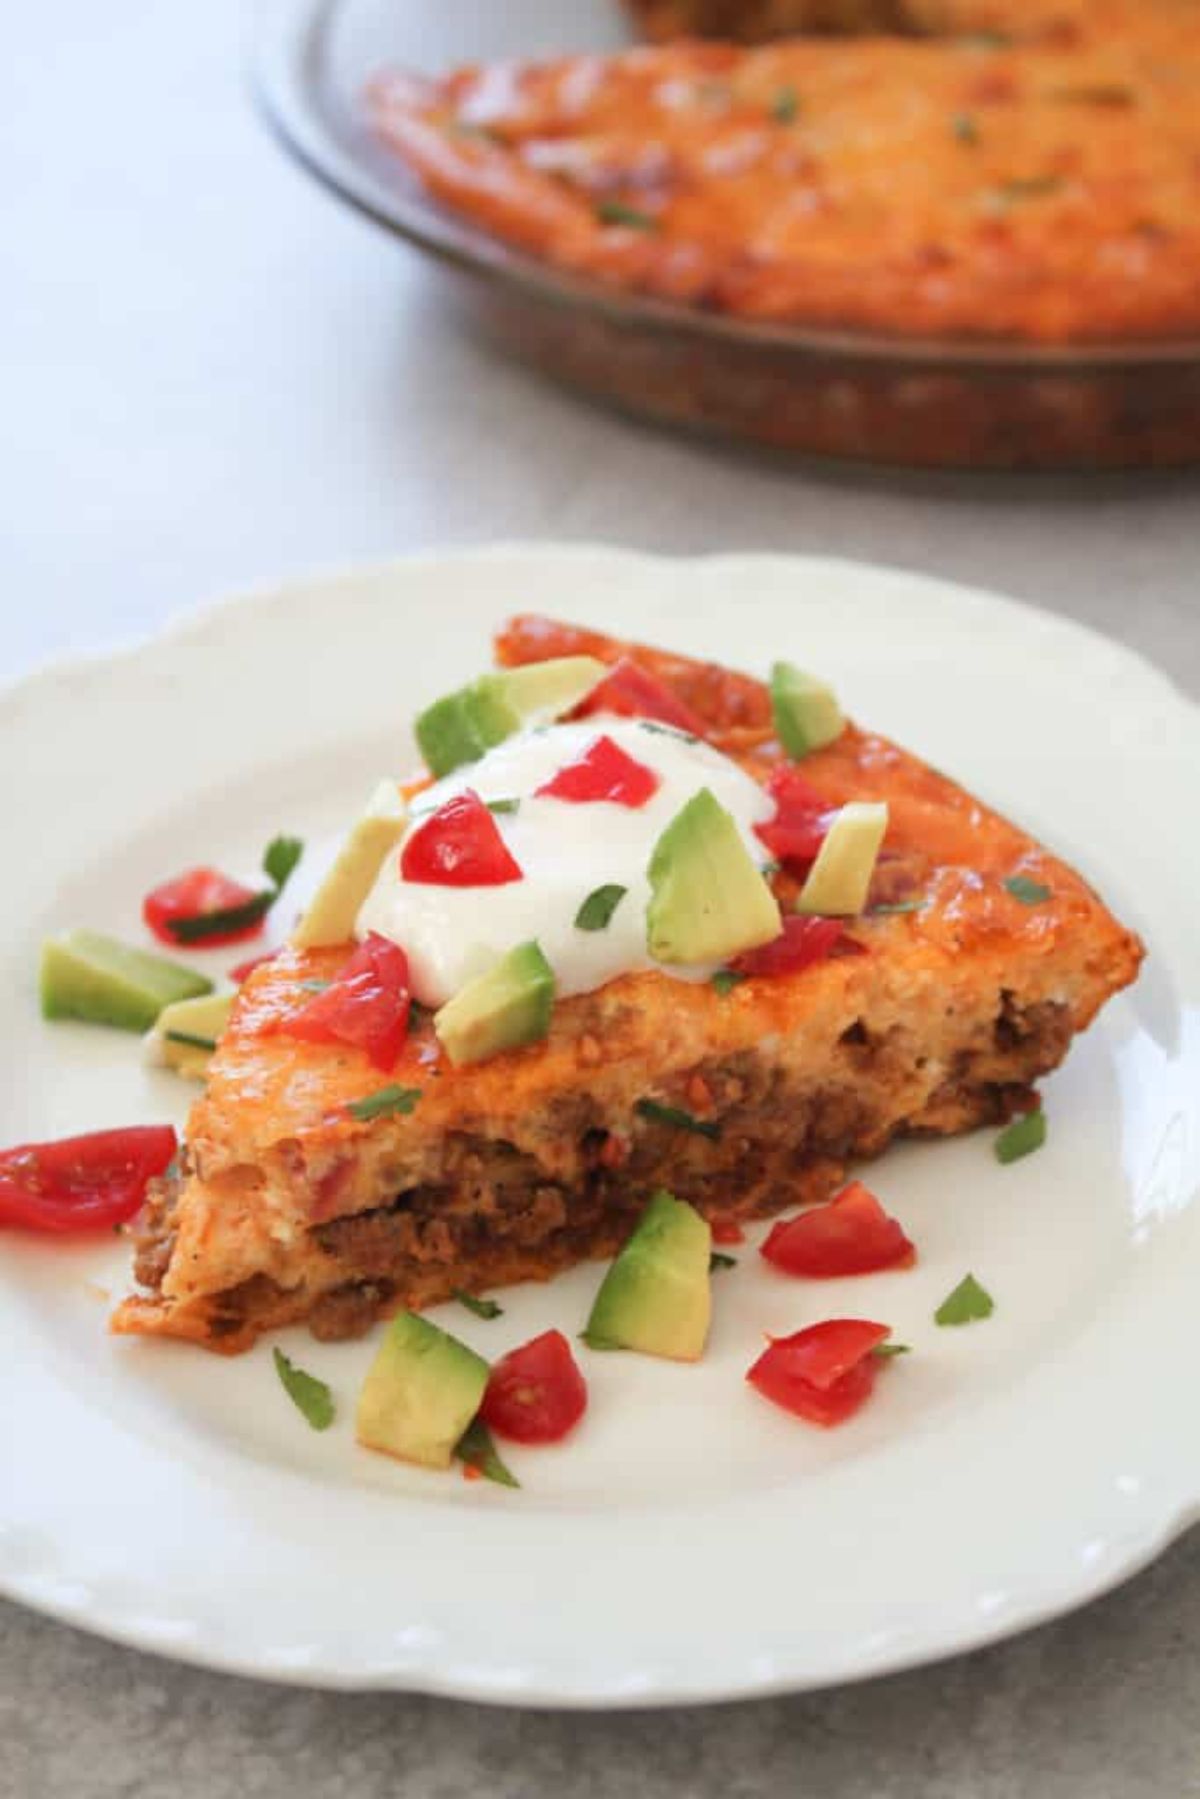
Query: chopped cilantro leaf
(1021, 1137)
(1030, 893)
(308, 1394)
(684, 1121)
(314, 986)
(718, 1260)
(614, 212)
(482, 1308)
(660, 730)
(476, 1448)
(884, 1351)
(1029, 187)
(964, 128)
(785, 107)
(968, 1302)
(279, 860)
(386, 1101)
(597, 909)
(191, 1042)
(726, 979)
(504, 805)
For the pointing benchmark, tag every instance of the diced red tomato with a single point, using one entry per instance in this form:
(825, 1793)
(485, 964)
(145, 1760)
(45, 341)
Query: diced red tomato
(459, 845)
(366, 1006)
(852, 1234)
(243, 970)
(824, 1373)
(726, 1231)
(197, 894)
(82, 1183)
(796, 832)
(603, 772)
(802, 942)
(630, 692)
(535, 1394)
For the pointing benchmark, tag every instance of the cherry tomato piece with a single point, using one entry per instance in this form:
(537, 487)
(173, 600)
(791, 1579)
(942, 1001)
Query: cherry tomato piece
(459, 845)
(852, 1234)
(535, 1394)
(366, 1006)
(801, 943)
(824, 1373)
(198, 894)
(83, 1183)
(726, 1231)
(631, 692)
(603, 772)
(802, 815)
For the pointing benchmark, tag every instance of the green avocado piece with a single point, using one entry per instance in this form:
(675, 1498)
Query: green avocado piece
(708, 900)
(509, 1005)
(421, 1392)
(807, 715)
(840, 878)
(186, 1034)
(334, 908)
(86, 975)
(657, 1296)
(465, 724)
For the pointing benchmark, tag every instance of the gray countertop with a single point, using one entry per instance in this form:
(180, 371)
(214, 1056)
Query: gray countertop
(214, 376)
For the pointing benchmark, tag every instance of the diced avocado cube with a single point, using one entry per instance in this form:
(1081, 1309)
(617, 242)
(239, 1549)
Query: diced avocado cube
(88, 976)
(421, 1392)
(807, 715)
(708, 900)
(334, 908)
(463, 725)
(840, 878)
(509, 1005)
(186, 1034)
(657, 1296)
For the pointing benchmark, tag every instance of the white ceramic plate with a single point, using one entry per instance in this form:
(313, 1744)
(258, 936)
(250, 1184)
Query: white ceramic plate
(692, 1543)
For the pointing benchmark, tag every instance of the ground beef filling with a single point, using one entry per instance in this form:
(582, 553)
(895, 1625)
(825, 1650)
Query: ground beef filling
(776, 1146)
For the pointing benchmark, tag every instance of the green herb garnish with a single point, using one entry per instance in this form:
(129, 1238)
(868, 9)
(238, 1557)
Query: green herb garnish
(314, 986)
(382, 1104)
(1030, 893)
(482, 1308)
(964, 128)
(614, 212)
(718, 1260)
(476, 1448)
(684, 1121)
(190, 1042)
(726, 979)
(968, 1302)
(897, 906)
(1021, 1137)
(884, 1351)
(279, 859)
(660, 730)
(503, 805)
(598, 908)
(308, 1394)
(785, 107)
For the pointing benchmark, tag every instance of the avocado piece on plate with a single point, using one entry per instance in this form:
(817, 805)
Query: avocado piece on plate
(185, 1034)
(508, 1006)
(840, 878)
(708, 899)
(806, 712)
(334, 908)
(95, 978)
(657, 1296)
(421, 1392)
(465, 724)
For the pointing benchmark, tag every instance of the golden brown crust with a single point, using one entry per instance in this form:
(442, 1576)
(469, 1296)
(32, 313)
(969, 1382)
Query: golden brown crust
(291, 1207)
(1044, 191)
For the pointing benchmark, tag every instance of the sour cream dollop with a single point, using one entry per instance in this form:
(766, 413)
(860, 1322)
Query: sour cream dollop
(565, 851)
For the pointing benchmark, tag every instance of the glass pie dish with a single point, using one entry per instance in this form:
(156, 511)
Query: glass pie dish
(839, 394)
